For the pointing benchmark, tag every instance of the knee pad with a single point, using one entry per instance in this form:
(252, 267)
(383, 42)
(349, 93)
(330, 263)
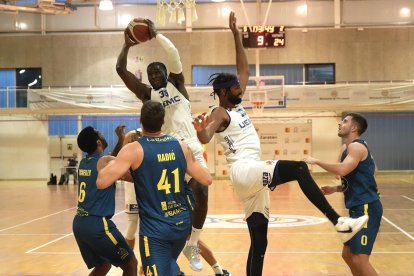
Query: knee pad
(132, 226)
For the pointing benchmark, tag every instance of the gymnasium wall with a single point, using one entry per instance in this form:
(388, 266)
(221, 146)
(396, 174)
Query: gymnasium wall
(24, 148)
(28, 152)
(373, 54)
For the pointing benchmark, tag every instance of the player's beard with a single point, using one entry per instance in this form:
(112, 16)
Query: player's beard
(233, 99)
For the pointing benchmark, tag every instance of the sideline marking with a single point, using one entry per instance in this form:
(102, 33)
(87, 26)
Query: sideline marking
(30, 221)
(399, 228)
(406, 197)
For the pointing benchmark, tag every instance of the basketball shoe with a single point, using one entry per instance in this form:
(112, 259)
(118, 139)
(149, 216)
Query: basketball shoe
(225, 273)
(348, 227)
(192, 253)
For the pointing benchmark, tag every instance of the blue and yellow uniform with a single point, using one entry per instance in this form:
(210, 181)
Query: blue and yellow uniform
(362, 198)
(98, 238)
(164, 213)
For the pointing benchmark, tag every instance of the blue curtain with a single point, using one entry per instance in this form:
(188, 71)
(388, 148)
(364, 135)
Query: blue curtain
(7, 79)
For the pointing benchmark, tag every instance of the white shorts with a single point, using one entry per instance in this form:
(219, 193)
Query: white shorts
(131, 205)
(250, 179)
(198, 151)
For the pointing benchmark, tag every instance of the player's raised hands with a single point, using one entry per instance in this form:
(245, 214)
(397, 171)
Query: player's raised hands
(233, 22)
(152, 30)
(128, 41)
(120, 131)
(200, 122)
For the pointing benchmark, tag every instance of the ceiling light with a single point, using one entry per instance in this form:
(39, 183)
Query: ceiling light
(405, 12)
(218, 1)
(302, 10)
(106, 5)
(124, 19)
(32, 83)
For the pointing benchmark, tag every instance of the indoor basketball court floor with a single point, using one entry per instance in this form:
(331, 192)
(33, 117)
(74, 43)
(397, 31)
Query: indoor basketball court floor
(36, 231)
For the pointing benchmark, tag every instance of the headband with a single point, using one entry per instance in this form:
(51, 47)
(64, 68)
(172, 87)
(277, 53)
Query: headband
(217, 86)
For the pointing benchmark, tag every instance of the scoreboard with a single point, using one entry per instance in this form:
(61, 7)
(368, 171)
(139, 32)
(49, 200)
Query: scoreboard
(259, 36)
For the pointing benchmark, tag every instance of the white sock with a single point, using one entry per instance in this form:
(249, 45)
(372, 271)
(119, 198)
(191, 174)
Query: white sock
(195, 236)
(217, 268)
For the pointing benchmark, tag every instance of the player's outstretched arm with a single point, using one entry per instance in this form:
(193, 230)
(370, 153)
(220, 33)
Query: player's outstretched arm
(194, 168)
(142, 91)
(174, 65)
(356, 153)
(241, 58)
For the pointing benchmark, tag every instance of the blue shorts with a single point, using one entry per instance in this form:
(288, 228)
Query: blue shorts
(363, 241)
(100, 241)
(159, 257)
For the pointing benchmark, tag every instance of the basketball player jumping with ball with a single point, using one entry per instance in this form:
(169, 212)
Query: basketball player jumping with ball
(169, 89)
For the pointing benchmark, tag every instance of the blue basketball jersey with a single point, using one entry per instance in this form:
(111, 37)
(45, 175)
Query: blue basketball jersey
(359, 186)
(91, 200)
(160, 189)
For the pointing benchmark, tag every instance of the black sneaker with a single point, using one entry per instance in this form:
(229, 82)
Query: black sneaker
(225, 273)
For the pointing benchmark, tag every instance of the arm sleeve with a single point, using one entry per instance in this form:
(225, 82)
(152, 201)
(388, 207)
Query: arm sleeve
(174, 62)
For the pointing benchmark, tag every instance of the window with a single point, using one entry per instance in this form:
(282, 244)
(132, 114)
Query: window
(322, 73)
(26, 77)
(293, 73)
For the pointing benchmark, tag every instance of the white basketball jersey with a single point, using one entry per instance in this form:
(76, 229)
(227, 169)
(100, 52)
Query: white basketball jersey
(178, 120)
(239, 140)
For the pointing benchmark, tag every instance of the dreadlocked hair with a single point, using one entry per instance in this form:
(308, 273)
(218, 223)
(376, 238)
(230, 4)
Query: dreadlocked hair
(218, 78)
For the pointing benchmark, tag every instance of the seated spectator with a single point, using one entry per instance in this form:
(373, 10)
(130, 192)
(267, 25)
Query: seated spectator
(72, 163)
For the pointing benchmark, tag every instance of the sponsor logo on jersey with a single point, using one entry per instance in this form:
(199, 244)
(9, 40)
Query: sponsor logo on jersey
(171, 101)
(245, 123)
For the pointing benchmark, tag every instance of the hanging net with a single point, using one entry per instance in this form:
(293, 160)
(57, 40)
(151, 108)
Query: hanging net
(176, 10)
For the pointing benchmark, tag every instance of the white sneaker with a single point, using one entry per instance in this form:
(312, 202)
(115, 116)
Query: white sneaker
(192, 253)
(348, 227)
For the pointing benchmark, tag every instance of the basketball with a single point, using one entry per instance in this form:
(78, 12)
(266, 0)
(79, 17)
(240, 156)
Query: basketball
(138, 30)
